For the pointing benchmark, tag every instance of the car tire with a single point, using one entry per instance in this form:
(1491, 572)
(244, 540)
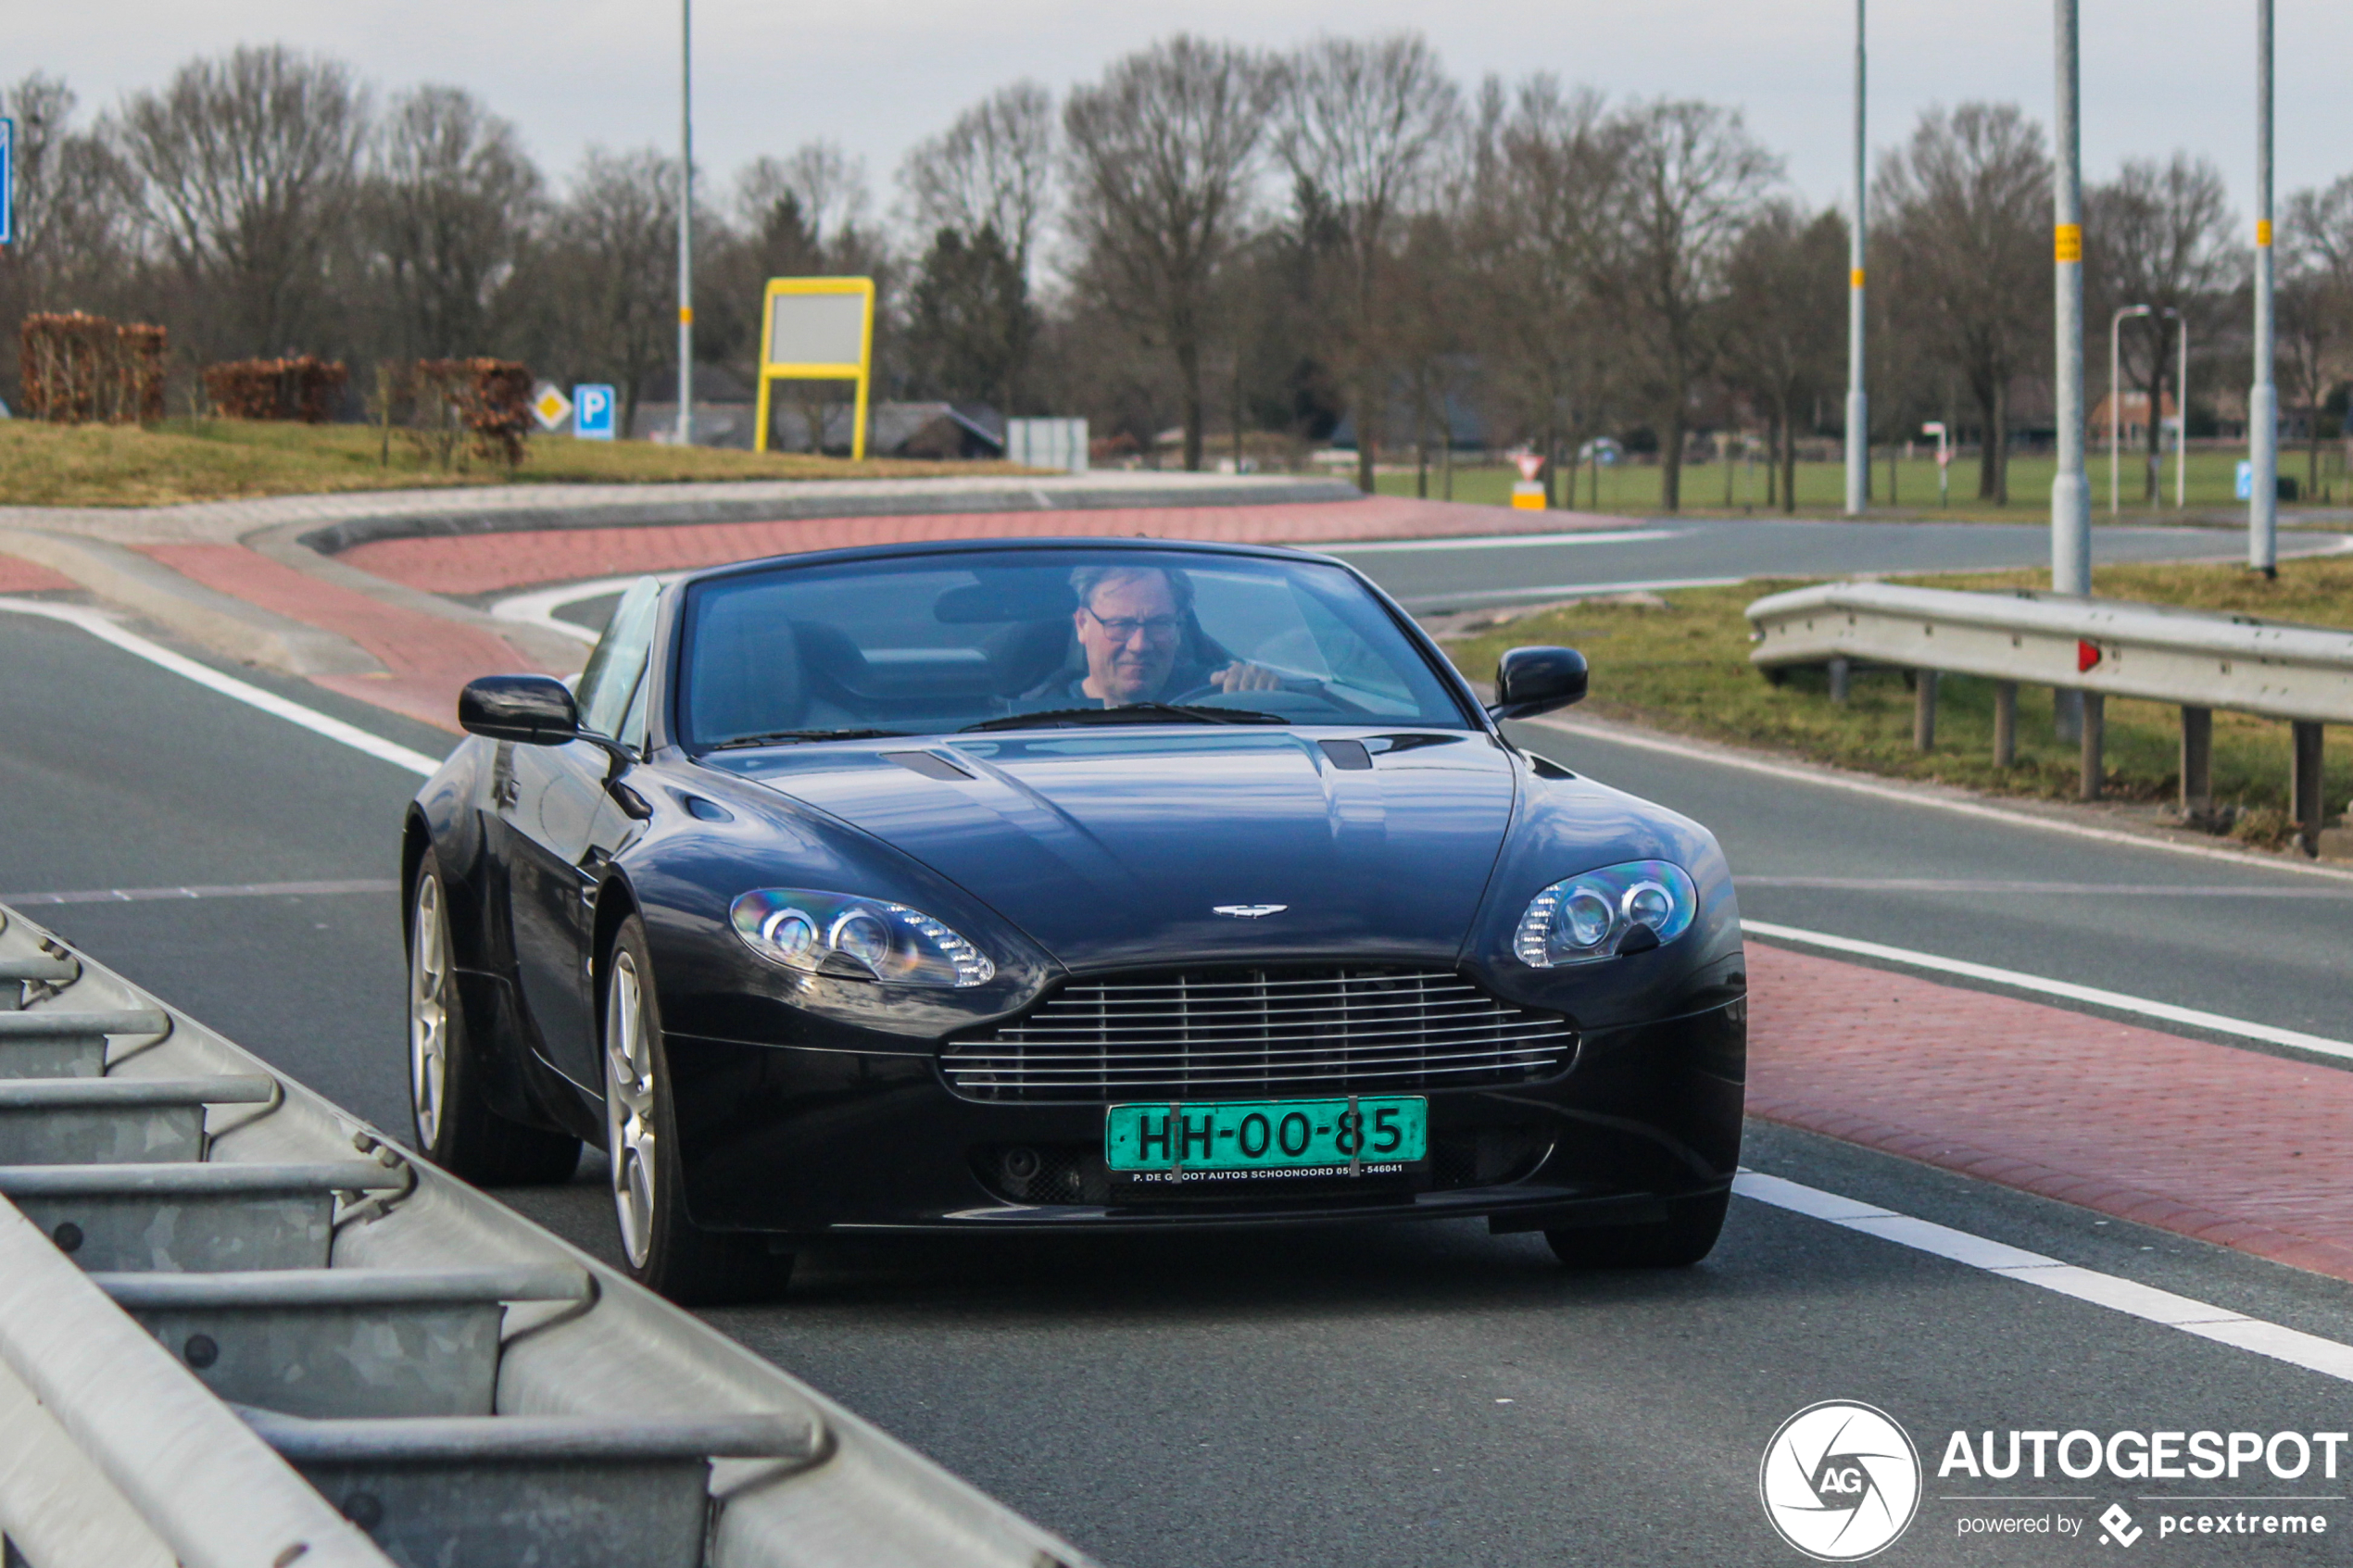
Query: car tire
(1683, 1238)
(661, 1247)
(450, 1115)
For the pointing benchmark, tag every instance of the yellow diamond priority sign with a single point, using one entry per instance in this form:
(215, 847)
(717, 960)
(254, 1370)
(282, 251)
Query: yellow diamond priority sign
(552, 407)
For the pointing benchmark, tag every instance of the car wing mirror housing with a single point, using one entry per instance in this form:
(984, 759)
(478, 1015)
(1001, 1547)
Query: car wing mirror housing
(1534, 681)
(534, 710)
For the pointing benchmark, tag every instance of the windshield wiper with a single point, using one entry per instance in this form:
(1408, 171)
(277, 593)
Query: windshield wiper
(772, 737)
(1132, 713)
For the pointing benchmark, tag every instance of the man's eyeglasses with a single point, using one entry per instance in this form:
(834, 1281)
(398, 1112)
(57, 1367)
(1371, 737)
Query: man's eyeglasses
(1122, 629)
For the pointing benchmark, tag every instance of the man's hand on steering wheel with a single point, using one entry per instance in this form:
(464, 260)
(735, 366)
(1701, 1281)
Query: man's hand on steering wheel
(1242, 676)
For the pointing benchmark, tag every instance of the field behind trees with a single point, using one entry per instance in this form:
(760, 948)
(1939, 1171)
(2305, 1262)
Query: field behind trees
(1211, 250)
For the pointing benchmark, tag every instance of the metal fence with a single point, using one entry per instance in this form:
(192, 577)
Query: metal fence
(2198, 660)
(239, 1329)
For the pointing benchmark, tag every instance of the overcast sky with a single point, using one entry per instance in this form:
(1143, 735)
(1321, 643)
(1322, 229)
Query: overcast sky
(877, 77)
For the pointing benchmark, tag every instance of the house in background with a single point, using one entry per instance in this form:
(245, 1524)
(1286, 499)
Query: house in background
(964, 431)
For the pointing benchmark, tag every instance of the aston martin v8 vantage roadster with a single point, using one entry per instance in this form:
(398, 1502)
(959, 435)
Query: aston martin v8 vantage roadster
(1084, 884)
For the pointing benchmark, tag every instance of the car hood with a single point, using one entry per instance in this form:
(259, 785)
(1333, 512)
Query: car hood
(1119, 848)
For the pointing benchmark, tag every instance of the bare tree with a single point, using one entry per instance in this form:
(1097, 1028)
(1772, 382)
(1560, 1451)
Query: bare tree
(1962, 216)
(451, 202)
(247, 164)
(73, 248)
(612, 262)
(1545, 167)
(1786, 322)
(2316, 301)
(2158, 234)
(992, 169)
(1689, 181)
(1366, 124)
(827, 186)
(1158, 158)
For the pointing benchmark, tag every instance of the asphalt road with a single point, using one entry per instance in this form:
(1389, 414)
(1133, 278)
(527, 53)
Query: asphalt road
(1374, 1394)
(1442, 574)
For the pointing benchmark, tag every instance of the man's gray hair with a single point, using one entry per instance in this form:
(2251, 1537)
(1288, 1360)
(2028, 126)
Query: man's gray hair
(1086, 579)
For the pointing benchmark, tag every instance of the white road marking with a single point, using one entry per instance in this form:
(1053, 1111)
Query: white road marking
(1503, 540)
(224, 890)
(106, 629)
(538, 607)
(2129, 1296)
(2099, 889)
(1916, 795)
(2064, 989)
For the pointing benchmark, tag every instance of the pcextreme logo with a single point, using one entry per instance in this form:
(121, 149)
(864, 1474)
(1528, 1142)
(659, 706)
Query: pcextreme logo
(1841, 1481)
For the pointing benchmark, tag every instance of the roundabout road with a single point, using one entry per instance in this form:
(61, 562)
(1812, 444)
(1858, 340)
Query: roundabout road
(1406, 1395)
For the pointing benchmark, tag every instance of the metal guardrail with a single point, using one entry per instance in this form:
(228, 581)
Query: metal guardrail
(2198, 660)
(239, 1329)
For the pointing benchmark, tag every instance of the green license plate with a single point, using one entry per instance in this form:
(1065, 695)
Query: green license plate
(1369, 1136)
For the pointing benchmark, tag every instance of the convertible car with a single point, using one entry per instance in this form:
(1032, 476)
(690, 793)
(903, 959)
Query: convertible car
(1082, 885)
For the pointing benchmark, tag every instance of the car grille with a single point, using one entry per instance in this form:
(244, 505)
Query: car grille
(1235, 1034)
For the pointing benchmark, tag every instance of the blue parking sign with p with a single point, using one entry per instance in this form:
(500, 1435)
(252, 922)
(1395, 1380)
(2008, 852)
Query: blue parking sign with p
(592, 412)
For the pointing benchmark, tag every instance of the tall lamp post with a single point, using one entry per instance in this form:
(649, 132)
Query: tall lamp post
(2070, 496)
(2263, 399)
(2180, 319)
(2116, 392)
(1858, 407)
(686, 222)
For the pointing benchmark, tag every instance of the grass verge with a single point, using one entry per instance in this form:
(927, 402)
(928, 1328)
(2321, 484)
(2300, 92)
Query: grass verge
(220, 460)
(1680, 662)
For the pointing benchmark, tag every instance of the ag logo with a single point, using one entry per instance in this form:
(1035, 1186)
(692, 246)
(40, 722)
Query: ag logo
(1840, 1481)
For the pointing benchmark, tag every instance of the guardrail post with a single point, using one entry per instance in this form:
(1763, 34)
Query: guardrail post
(2005, 723)
(2197, 763)
(1841, 670)
(2304, 804)
(2095, 706)
(1924, 710)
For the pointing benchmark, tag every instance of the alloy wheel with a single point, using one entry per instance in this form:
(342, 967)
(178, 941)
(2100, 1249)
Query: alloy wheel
(629, 1108)
(428, 1010)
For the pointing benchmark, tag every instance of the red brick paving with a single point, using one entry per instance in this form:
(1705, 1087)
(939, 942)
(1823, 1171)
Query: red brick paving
(2232, 1147)
(426, 657)
(482, 562)
(19, 576)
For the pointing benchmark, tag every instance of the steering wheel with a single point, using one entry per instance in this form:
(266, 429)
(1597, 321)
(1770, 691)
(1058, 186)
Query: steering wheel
(1301, 684)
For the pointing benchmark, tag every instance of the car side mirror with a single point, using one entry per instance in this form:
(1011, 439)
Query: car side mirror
(534, 710)
(1534, 681)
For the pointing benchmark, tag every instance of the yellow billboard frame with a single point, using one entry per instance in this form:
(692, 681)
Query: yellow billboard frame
(862, 371)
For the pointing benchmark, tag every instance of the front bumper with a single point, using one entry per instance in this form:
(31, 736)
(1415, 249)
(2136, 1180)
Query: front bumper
(804, 1141)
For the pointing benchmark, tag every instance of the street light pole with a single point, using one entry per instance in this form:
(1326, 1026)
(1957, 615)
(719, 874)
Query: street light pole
(686, 222)
(2263, 399)
(1858, 407)
(2070, 497)
(2182, 408)
(2115, 393)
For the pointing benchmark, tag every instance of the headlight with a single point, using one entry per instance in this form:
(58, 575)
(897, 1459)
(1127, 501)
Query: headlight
(839, 934)
(1588, 918)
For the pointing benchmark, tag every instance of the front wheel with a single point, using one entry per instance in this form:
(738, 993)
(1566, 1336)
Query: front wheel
(1683, 1238)
(455, 1127)
(663, 1248)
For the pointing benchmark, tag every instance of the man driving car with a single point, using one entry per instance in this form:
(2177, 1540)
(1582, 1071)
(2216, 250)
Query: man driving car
(1131, 623)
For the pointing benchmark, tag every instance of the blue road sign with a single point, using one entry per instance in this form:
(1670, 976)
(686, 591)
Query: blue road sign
(592, 408)
(7, 181)
(2246, 482)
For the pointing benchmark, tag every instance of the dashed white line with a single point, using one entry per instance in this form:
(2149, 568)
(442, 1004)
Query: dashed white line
(2117, 1294)
(2066, 990)
(106, 629)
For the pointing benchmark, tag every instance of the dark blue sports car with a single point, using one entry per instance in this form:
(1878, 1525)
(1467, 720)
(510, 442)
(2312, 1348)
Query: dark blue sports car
(1060, 884)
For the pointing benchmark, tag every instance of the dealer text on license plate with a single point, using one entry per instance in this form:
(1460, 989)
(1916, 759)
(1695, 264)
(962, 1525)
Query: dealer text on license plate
(1368, 1136)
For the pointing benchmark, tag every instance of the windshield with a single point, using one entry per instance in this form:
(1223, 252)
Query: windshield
(927, 645)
